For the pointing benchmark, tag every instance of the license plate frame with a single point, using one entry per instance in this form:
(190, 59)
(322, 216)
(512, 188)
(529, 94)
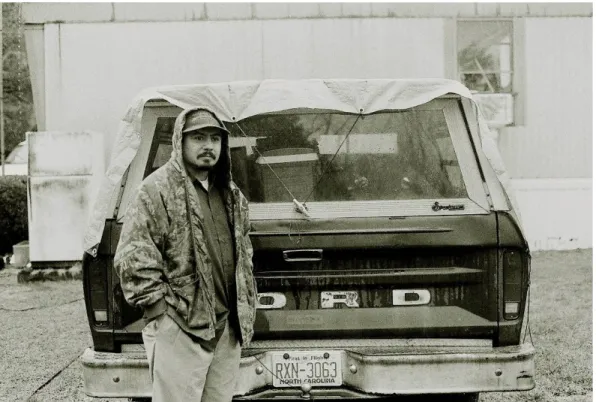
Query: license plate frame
(318, 368)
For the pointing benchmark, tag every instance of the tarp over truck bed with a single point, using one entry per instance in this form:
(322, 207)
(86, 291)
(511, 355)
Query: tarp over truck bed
(235, 101)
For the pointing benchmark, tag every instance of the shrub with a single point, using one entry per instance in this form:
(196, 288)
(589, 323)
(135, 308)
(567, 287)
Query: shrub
(13, 212)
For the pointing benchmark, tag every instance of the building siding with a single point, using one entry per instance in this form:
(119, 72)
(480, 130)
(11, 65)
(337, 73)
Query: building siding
(556, 139)
(120, 64)
(38, 13)
(157, 11)
(556, 214)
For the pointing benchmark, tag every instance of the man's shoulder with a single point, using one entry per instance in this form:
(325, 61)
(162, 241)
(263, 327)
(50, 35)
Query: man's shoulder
(162, 178)
(160, 185)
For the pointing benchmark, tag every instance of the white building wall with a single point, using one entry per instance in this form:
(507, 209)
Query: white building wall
(550, 156)
(556, 138)
(94, 90)
(556, 213)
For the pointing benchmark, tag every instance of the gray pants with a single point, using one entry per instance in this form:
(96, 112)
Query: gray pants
(181, 370)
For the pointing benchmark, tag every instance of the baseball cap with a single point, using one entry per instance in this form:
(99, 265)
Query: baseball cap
(199, 119)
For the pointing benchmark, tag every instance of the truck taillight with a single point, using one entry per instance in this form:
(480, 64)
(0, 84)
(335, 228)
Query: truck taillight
(96, 284)
(513, 273)
(100, 315)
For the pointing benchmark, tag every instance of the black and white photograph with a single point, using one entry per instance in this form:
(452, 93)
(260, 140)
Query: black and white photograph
(296, 201)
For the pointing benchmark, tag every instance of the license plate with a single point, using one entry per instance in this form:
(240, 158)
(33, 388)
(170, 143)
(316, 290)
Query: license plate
(319, 369)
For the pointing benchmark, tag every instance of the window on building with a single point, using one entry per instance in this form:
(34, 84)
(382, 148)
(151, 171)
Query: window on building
(489, 56)
(485, 55)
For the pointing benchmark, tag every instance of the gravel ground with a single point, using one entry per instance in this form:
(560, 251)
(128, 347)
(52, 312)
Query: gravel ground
(45, 330)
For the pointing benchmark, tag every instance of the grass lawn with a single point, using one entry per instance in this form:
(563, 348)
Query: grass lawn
(561, 328)
(45, 328)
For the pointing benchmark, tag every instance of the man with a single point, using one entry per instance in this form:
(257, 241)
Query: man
(185, 258)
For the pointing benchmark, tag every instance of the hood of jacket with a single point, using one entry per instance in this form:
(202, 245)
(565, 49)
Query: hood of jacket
(221, 174)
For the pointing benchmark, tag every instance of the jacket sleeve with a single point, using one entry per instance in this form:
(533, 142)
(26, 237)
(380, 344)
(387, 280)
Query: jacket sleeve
(138, 260)
(246, 238)
(249, 256)
(245, 229)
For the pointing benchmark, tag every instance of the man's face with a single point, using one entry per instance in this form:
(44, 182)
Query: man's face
(201, 148)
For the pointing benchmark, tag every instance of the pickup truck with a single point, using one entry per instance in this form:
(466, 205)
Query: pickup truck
(388, 254)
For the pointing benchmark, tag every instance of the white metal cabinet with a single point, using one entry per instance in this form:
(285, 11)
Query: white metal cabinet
(64, 172)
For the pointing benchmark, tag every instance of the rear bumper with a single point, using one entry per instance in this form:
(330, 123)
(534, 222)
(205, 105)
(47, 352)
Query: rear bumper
(402, 367)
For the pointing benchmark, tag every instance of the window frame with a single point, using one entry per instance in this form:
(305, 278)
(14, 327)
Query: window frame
(140, 163)
(463, 144)
(518, 44)
(512, 66)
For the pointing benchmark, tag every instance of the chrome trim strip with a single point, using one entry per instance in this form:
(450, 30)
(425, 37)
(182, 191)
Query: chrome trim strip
(363, 209)
(355, 231)
(301, 255)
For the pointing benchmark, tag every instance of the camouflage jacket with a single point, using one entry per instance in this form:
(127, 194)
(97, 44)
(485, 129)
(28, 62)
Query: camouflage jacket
(162, 254)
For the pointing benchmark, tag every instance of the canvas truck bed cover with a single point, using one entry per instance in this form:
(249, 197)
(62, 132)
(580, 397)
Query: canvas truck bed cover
(235, 101)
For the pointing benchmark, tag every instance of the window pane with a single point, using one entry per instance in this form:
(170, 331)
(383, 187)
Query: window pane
(162, 155)
(163, 149)
(485, 47)
(488, 82)
(387, 156)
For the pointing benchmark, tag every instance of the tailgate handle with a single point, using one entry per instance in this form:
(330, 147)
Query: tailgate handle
(303, 255)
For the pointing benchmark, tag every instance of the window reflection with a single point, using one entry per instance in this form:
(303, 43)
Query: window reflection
(339, 157)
